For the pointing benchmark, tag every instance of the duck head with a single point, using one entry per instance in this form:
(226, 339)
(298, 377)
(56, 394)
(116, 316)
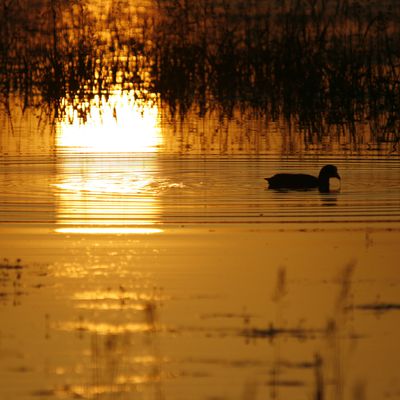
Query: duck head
(327, 172)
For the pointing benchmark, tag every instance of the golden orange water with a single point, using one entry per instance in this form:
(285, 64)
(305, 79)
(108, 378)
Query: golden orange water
(145, 257)
(142, 255)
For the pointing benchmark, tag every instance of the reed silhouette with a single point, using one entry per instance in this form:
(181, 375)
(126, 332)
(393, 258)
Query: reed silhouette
(322, 63)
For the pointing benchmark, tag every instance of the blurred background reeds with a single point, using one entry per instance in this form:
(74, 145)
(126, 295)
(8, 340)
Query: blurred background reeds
(320, 63)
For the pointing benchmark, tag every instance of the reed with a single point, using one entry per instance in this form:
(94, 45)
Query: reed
(321, 63)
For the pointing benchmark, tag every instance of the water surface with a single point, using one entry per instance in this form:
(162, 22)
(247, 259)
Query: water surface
(159, 274)
(142, 254)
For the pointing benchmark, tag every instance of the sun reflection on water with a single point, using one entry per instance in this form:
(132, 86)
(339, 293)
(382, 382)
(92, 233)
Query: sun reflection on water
(105, 178)
(115, 123)
(110, 231)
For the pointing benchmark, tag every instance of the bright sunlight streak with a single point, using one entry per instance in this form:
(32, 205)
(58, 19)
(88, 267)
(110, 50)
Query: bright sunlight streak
(118, 123)
(111, 231)
(105, 177)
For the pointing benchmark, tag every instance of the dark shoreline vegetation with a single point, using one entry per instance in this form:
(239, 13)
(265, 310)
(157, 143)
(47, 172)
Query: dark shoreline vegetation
(324, 64)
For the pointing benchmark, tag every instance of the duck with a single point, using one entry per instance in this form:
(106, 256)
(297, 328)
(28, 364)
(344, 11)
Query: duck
(304, 181)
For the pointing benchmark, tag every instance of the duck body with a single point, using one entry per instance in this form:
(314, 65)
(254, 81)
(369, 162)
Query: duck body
(304, 181)
(292, 181)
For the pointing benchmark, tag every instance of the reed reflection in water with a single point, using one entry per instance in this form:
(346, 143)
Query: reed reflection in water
(103, 185)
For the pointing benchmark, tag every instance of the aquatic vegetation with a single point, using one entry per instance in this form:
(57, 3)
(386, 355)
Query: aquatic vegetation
(379, 307)
(323, 64)
(11, 288)
(313, 62)
(8, 265)
(330, 361)
(13, 281)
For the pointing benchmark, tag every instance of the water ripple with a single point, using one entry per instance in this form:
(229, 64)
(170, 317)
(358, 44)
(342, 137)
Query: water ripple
(153, 189)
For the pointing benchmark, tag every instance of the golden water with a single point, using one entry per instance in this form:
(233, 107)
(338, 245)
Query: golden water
(145, 259)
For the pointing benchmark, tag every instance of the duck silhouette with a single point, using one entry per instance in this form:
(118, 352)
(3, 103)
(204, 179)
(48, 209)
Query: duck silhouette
(304, 181)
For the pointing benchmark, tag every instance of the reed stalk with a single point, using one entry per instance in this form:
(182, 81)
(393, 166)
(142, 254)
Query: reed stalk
(321, 63)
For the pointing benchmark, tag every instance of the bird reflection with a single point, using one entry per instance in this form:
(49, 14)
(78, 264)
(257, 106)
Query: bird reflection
(329, 199)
